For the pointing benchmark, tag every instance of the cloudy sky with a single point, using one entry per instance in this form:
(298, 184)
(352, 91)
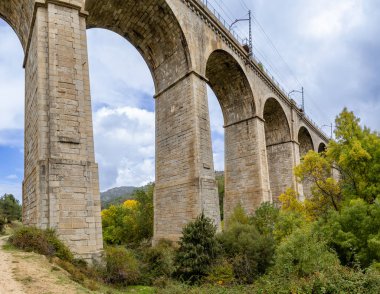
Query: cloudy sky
(331, 48)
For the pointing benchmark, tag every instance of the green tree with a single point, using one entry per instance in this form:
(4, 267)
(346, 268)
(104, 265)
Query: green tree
(145, 212)
(248, 242)
(354, 232)
(130, 222)
(355, 156)
(346, 205)
(198, 249)
(10, 208)
(220, 182)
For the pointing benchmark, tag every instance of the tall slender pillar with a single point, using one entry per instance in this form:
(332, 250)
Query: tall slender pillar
(60, 188)
(281, 163)
(246, 170)
(185, 177)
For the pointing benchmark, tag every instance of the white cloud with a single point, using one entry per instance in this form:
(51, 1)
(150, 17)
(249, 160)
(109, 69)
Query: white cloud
(119, 75)
(135, 172)
(124, 144)
(12, 177)
(329, 19)
(11, 188)
(11, 83)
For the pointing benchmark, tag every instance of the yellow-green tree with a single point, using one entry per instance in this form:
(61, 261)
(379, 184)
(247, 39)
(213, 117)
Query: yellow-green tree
(355, 157)
(130, 222)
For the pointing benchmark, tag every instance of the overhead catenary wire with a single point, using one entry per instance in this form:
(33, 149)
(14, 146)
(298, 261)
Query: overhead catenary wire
(276, 50)
(273, 66)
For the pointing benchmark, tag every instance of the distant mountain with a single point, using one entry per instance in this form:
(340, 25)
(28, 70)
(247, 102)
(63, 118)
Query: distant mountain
(116, 195)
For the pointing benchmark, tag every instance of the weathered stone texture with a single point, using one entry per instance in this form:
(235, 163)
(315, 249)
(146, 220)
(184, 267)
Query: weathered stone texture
(305, 144)
(185, 48)
(185, 180)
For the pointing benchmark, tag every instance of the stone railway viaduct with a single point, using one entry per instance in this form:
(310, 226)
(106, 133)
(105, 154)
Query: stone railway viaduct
(186, 48)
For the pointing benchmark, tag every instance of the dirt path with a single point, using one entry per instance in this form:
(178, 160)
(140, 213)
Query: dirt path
(29, 273)
(7, 283)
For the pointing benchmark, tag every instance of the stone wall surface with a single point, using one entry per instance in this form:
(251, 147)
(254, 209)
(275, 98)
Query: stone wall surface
(186, 48)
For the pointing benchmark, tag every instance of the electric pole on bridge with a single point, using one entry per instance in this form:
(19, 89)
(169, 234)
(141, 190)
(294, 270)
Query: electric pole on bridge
(303, 97)
(249, 19)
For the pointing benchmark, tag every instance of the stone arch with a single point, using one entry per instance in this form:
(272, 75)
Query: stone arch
(305, 141)
(242, 164)
(231, 86)
(279, 148)
(277, 128)
(305, 145)
(322, 147)
(152, 28)
(184, 172)
(18, 14)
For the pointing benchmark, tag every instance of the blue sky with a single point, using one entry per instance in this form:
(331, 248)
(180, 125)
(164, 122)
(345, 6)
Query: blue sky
(332, 48)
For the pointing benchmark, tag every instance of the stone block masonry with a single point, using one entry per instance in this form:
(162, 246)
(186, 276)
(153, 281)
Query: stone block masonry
(186, 48)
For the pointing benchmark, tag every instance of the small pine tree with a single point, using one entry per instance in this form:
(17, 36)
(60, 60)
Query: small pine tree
(198, 250)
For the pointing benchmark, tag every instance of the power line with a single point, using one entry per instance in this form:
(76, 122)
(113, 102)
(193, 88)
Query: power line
(226, 14)
(276, 50)
(244, 5)
(273, 68)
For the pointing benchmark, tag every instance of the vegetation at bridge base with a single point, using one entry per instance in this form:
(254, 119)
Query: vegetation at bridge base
(44, 242)
(329, 243)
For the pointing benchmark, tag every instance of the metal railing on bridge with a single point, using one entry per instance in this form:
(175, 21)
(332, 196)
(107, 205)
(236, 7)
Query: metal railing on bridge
(244, 41)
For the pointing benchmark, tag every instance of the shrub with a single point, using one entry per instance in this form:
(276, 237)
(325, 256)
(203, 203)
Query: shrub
(2, 225)
(80, 273)
(121, 267)
(221, 273)
(249, 252)
(286, 223)
(198, 249)
(265, 218)
(354, 233)
(158, 263)
(304, 264)
(303, 253)
(333, 279)
(44, 242)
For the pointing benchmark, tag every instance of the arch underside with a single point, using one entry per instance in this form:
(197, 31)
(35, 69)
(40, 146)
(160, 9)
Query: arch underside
(152, 28)
(305, 141)
(279, 148)
(231, 86)
(18, 14)
(322, 147)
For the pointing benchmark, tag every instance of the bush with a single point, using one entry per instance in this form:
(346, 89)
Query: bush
(333, 279)
(121, 267)
(265, 218)
(158, 263)
(304, 264)
(198, 250)
(354, 233)
(250, 252)
(303, 253)
(44, 242)
(221, 273)
(2, 225)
